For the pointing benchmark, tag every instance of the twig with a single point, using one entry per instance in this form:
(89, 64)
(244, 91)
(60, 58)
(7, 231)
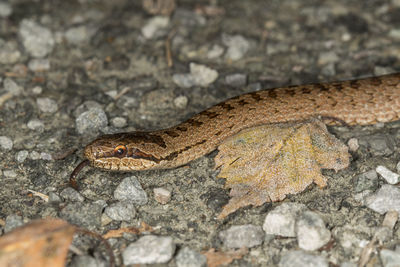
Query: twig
(168, 52)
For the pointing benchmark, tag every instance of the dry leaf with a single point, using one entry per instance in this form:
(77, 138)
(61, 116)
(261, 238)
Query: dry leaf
(266, 163)
(133, 230)
(217, 258)
(39, 243)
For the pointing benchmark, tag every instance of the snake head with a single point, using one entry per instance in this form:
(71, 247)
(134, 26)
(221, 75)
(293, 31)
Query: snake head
(123, 152)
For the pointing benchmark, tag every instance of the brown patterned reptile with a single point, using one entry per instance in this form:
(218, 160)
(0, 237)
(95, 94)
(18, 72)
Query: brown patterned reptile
(364, 101)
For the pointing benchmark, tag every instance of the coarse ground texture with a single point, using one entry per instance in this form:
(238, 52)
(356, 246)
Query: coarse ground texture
(71, 70)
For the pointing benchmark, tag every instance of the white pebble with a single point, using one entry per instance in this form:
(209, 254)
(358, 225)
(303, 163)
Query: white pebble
(353, 144)
(6, 143)
(388, 175)
(22, 155)
(162, 195)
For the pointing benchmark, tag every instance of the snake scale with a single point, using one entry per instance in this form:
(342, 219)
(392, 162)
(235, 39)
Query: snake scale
(362, 101)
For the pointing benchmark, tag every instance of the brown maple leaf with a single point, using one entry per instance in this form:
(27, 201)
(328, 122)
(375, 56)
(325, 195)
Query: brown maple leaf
(266, 163)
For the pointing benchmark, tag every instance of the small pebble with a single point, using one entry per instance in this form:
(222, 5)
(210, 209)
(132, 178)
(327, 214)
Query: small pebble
(46, 104)
(311, 231)
(37, 90)
(9, 173)
(22, 155)
(45, 156)
(36, 125)
(199, 75)
(281, 220)
(181, 102)
(366, 181)
(118, 122)
(12, 87)
(390, 258)
(237, 46)
(5, 9)
(54, 198)
(87, 215)
(9, 53)
(37, 40)
(131, 190)
(387, 198)
(216, 51)
(149, 249)
(242, 236)
(79, 35)
(34, 155)
(388, 175)
(87, 261)
(121, 211)
(72, 195)
(327, 57)
(6, 143)
(162, 195)
(39, 64)
(353, 144)
(302, 258)
(12, 221)
(190, 258)
(91, 121)
(236, 80)
(155, 27)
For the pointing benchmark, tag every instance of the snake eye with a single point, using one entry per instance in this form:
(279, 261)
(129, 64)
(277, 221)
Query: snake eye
(120, 151)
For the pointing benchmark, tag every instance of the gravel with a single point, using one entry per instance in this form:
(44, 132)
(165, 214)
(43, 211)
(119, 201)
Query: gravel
(91, 121)
(6, 143)
(12, 221)
(121, 211)
(37, 40)
(311, 231)
(46, 104)
(190, 258)
(238, 236)
(131, 190)
(302, 258)
(386, 198)
(388, 175)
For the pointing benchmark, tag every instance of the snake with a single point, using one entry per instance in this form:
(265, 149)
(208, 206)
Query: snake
(354, 102)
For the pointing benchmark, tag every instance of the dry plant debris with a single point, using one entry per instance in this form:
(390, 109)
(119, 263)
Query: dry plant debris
(217, 258)
(268, 162)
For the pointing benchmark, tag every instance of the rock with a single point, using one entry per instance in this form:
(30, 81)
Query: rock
(387, 198)
(216, 51)
(45, 156)
(12, 221)
(389, 258)
(366, 181)
(190, 258)
(237, 46)
(37, 40)
(131, 190)
(121, 211)
(301, 258)
(79, 35)
(149, 249)
(242, 236)
(311, 231)
(39, 64)
(46, 104)
(10, 173)
(353, 144)
(87, 215)
(72, 195)
(162, 195)
(199, 75)
(87, 261)
(91, 121)
(9, 52)
(181, 102)
(236, 80)
(155, 27)
(6, 143)
(118, 122)
(22, 155)
(281, 221)
(12, 87)
(36, 125)
(388, 175)
(327, 57)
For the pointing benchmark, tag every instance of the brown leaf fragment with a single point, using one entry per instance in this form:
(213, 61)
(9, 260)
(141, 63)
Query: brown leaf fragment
(217, 258)
(268, 162)
(39, 243)
(132, 230)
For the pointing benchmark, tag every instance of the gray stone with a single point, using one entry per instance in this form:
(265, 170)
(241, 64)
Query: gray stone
(36, 125)
(34, 155)
(79, 35)
(6, 143)
(22, 155)
(216, 51)
(302, 258)
(9, 52)
(72, 195)
(121, 211)
(45, 156)
(390, 258)
(5, 9)
(12, 221)
(46, 104)
(387, 198)
(190, 258)
(242, 236)
(380, 145)
(37, 40)
(54, 198)
(91, 121)
(149, 249)
(118, 122)
(236, 80)
(388, 175)
(155, 27)
(281, 221)
(39, 64)
(87, 261)
(327, 57)
(366, 181)
(10, 173)
(87, 215)
(237, 46)
(12, 87)
(181, 102)
(199, 75)
(311, 231)
(131, 190)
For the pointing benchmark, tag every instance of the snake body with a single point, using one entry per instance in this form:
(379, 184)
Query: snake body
(363, 101)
